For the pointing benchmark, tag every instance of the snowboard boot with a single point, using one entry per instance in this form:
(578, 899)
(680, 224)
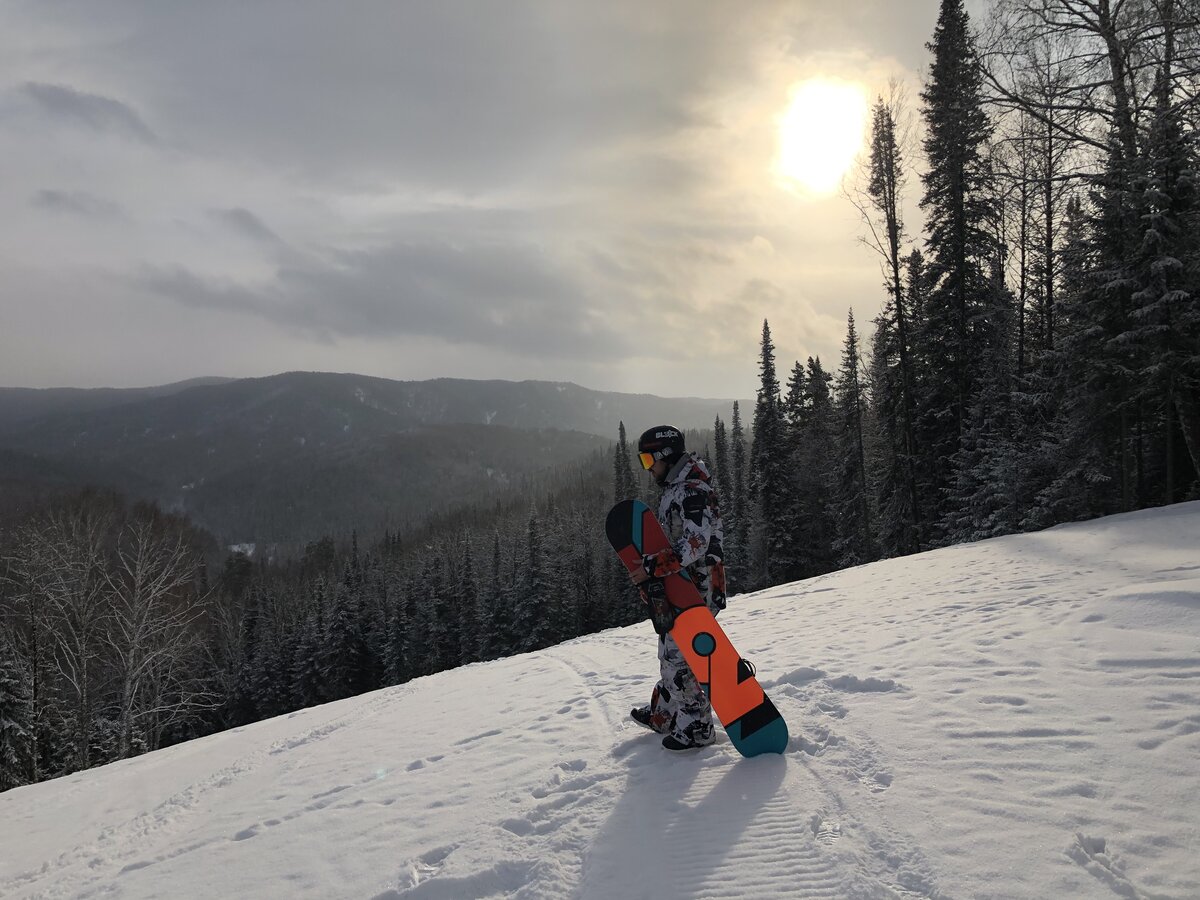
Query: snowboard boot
(654, 721)
(695, 736)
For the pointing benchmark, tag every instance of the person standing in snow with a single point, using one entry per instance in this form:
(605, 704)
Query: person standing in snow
(691, 518)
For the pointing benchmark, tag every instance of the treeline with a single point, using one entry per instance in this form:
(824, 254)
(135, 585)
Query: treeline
(1037, 359)
(122, 630)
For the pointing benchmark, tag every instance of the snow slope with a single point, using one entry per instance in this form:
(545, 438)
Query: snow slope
(1018, 718)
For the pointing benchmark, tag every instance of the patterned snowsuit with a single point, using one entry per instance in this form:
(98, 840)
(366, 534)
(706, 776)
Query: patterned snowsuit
(689, 515)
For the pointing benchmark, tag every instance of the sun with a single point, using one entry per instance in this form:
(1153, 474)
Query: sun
(820, 133)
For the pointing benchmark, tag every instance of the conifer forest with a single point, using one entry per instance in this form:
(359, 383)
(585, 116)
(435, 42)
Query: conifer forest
(1035, 361)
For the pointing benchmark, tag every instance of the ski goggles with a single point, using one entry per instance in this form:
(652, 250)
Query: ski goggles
(649, 459)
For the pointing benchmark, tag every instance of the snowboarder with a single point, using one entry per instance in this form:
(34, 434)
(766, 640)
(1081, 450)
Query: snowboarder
(689, 514)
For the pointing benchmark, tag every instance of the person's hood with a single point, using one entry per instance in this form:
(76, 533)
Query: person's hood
(688, 466)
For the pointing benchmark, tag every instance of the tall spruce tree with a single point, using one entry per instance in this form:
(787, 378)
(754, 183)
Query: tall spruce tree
(395, 662)
(815, 472)
(443, 637)
(305, 670)
(793, 403)
(855, 542)
(343, 652)
(1093, 360)
(416, 617)
(894, 326)
(959, 206)
(721, 474)
(534, 601)
(16, 731)
(1165, 314)
(890, 466)
(467, 601)
(624, 484)
(772, 554)
(499, 636)
(738, 519)
(984, 494)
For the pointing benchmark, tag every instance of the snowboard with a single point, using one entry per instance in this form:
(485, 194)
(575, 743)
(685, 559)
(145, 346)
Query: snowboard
(676, 607)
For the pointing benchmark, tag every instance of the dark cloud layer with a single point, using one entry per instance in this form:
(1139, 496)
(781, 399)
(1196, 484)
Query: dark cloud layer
(507, 296)
(245, 223)
(79, 203)
(93, 111)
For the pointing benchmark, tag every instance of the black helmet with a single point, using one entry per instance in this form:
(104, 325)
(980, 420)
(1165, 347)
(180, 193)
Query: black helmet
(663, 442)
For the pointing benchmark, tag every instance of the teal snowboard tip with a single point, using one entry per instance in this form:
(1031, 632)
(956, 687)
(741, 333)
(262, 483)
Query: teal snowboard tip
(771, 738)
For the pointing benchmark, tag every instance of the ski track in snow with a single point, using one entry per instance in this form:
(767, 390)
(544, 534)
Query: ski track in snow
(1018, 718)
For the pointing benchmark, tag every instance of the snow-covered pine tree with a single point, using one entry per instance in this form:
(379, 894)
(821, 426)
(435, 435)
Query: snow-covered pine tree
(499, 609)
(982, 500)
(889, 463)
(894, 326)
(624, 483)
(959, 208)
(1091, 374)
(795, 426)
(720, 471)
(242, 705)
(560, 613)
(984, 497)
(582, 598)
(793, 403)
(16, 731)
(772, 555)
(440, 614)
(1040, 427)
(737, 508)
(306, 672)
(270, 673)
(1165, 314)
(25, 573)
(375, 605)
(342, 658)
(855, 541)
(466, 600)
(814, 472)
(416, 621)
(533, 595)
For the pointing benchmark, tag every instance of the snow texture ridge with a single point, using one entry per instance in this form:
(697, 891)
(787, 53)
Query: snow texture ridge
(1017, 718)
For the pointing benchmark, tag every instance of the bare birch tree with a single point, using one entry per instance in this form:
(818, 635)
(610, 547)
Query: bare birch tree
(154, 645)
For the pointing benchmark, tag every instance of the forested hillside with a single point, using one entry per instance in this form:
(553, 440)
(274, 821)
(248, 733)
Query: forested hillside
(289, 459)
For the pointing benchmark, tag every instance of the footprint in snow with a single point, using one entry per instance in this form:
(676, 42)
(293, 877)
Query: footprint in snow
(1094, 855)
(852, 684)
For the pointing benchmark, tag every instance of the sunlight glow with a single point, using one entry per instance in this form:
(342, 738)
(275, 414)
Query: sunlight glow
(820, 133)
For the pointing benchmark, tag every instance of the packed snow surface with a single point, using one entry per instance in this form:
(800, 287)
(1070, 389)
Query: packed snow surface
(1017, 718)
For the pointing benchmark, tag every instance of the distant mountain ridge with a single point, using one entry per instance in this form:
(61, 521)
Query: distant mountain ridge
(441, 401)
(21, 405)
(290, 457)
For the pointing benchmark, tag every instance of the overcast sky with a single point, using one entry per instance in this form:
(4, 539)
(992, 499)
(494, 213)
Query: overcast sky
(557, 189)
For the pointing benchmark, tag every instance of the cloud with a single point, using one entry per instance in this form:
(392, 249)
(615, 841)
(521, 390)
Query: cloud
(454, 95)
(79, 203)
(94, 111)
(245, 223)
(506, 296)
(577, 188)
